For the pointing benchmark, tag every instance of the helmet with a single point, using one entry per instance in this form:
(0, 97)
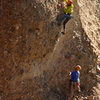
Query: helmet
(69, 2)
(78, 67)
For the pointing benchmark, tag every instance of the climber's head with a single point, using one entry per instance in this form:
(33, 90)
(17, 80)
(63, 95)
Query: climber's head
(78, 67)
(69, 2)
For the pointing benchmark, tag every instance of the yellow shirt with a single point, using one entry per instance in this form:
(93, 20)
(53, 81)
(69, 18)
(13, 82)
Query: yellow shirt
(69, 9)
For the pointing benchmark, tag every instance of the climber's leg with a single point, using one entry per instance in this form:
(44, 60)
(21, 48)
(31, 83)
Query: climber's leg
(66, 20)
(68, 17)
(62, 19)
(65, 16)
(78, 86)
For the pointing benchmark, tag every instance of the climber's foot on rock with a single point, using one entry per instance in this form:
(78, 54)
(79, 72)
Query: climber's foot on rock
(63, 33)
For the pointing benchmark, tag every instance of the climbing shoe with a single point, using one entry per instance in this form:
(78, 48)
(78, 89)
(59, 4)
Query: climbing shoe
(63, 33)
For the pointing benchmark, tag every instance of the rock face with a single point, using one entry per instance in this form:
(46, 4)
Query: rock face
(35, 58)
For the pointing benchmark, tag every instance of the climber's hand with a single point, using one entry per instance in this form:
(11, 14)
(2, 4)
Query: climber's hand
(69, 75)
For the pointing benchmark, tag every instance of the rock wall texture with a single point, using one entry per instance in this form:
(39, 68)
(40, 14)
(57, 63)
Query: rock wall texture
(35, 58)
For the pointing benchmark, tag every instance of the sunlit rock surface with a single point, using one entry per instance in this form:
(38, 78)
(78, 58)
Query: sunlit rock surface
(35, 58)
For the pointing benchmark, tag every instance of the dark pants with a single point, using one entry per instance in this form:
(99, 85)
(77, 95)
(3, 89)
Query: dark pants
(66, 18)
